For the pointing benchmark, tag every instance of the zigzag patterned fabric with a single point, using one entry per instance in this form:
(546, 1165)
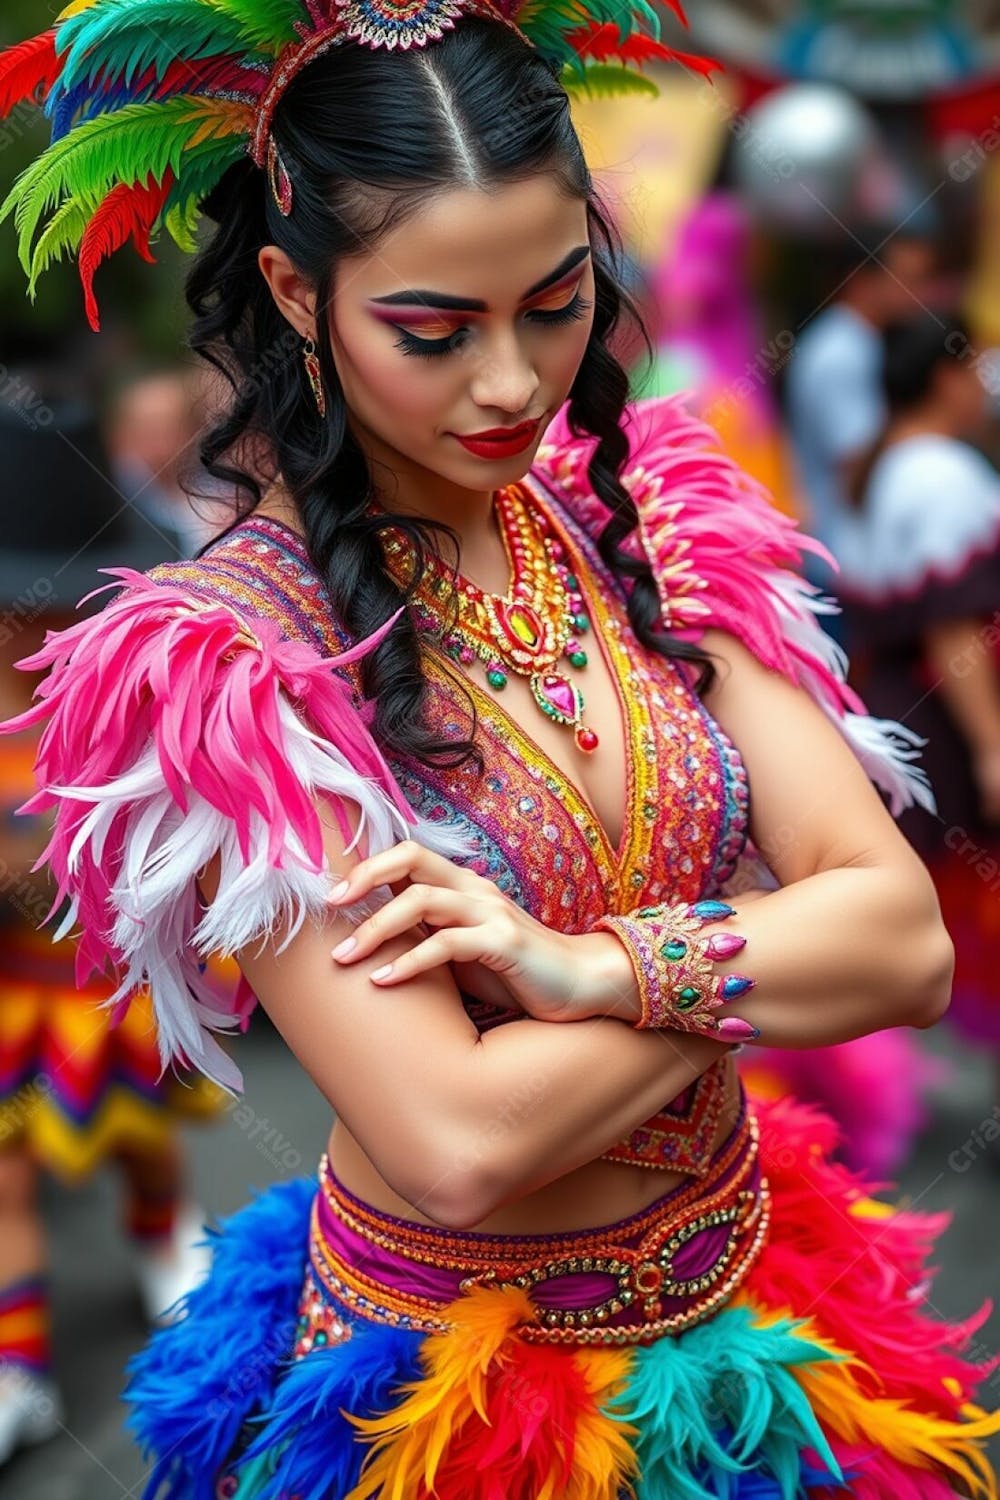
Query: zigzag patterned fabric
(152, 100)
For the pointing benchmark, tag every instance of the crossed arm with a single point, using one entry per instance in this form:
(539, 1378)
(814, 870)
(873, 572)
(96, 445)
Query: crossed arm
(459, 1124)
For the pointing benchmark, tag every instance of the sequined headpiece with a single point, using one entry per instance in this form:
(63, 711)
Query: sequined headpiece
(152, 100)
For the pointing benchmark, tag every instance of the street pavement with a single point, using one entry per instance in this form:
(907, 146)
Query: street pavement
(278, 1131)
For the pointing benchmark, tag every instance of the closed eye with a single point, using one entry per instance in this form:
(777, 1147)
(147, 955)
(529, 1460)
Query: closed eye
(410, 343)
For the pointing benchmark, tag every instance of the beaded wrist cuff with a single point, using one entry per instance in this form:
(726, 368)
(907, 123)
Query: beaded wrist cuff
(678, 988)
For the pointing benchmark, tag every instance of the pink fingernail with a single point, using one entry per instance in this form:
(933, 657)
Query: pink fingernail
(732, 1029)
(382, 973)
(344, 948)
(335, 892)
(724, 945)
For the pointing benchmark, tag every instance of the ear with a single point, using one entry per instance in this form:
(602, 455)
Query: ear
(295, 298)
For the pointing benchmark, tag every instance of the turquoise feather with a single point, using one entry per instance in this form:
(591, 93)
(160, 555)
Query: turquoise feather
(722, 1397)
(122, 38)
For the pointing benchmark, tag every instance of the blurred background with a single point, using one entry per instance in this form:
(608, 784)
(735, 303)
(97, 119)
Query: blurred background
(814, 239)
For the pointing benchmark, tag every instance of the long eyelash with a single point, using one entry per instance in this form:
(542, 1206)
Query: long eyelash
(433, 348)
(568, 314)
(425, 348)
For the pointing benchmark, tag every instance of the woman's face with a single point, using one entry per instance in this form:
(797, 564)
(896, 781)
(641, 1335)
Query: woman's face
(471, 318)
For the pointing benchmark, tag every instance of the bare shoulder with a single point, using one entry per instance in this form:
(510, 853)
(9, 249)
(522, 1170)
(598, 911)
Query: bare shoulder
(812, 804)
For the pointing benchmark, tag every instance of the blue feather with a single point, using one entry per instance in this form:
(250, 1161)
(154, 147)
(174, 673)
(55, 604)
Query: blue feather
(315, 1451)
(196, 1382)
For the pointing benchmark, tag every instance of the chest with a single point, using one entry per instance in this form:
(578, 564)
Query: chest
(659, 810)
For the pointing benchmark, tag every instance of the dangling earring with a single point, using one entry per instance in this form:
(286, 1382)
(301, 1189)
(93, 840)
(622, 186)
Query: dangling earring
(315, 377)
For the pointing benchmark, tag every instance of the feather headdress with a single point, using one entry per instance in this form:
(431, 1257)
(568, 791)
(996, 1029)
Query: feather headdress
(152, 100)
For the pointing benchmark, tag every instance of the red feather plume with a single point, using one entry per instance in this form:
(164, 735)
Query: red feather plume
(205, 75)
(129, 211)
(602, 43)
(27, 69)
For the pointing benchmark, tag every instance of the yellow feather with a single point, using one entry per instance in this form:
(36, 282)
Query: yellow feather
(222, 117)
(75, 8)
(409, 1441)
(923, 1440)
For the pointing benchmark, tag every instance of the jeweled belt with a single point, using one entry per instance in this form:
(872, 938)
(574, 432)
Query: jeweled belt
(655, 1273)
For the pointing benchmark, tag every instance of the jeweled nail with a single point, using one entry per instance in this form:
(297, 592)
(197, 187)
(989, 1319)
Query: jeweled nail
(712, 911)
(724, 944)
(732, 1029)
(735, 985)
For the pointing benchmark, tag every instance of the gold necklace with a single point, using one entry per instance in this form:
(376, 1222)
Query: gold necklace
(526, 630)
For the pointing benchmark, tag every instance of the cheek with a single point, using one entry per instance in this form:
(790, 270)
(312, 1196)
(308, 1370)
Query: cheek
(563, 355)
(379, 381)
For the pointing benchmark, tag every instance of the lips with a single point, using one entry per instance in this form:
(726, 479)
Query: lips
(501, 442)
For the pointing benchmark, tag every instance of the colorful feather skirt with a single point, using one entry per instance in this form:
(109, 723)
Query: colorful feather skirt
(74, 1087)
(762, 1333)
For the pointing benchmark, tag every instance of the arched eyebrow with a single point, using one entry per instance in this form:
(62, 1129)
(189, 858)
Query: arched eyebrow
(448, 303)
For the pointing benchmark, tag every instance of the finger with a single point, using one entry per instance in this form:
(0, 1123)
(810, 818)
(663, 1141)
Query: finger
(451, 945)
(418, 903)
(407, 860)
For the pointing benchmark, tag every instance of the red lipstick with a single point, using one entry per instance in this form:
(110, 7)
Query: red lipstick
(501, 442)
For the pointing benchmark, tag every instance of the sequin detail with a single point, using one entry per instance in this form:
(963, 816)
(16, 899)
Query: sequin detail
(538, 837)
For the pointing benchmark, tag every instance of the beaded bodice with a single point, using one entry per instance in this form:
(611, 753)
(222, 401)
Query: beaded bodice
(534, 833)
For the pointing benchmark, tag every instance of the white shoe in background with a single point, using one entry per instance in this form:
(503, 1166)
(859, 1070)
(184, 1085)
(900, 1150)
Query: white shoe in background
(31, 1409)
(166, 1271)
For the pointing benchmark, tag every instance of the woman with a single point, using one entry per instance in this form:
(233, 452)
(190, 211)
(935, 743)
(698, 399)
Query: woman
(511, 958)
(922, 581)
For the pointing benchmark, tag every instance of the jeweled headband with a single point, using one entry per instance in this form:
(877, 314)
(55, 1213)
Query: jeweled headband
(152, 100)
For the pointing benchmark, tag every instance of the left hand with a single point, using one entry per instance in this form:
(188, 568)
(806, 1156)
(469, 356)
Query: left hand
(472, 923)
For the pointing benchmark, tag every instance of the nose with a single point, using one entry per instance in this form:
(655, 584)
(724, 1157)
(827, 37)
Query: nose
(506, 378)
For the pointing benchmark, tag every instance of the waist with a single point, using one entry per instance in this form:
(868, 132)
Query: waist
(635, 1280)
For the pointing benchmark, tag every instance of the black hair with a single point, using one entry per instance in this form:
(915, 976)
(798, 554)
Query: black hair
(367, 137)
(912, 350)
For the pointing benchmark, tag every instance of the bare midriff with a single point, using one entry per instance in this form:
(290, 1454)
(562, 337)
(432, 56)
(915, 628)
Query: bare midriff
(600, 1192)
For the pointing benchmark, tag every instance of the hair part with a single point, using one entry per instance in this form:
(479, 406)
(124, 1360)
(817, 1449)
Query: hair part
(359, 166)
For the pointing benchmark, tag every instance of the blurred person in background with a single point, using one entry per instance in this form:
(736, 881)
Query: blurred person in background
(835, 406)
(152, 435)
(76, 1090)
(921, 581)
(710, 341)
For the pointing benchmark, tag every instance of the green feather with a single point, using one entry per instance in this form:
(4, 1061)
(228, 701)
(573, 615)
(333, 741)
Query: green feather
(605, 81)
(546, 23)
(124, 37)
(268, 23)
(63, 233)
(181, 223)
(202, 169)
(125, 146)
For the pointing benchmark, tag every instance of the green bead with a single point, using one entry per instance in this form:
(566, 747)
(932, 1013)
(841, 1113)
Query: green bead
(572, 582)
(688, 997)
(675, 949)
(496, 679)
(581, 622)
(578, 659)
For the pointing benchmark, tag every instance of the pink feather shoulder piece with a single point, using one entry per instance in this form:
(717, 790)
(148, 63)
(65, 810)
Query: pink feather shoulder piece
(177, 730)
(723, 556)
